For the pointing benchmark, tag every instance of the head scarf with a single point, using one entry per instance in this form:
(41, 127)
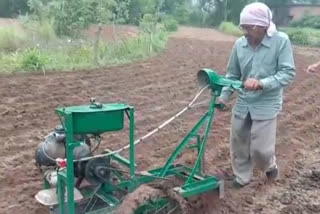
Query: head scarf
(258, 14)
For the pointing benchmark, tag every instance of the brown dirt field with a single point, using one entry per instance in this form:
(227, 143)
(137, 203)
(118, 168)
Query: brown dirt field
(6, 22)
(158, 88)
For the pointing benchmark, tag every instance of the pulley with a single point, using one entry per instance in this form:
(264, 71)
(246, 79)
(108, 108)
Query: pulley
(97, 170)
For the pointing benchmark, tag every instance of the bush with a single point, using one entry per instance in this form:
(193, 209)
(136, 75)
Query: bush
(40, 34)
(10, 39)
(79, 55)
(32, 60)
(303, 36)
(230, 28)
(299, 37)
(46, 30)
(148, 23)
(9, 62)
(72, 16)
(307, 21)
(196, 18)
(170, 24)
(64, 54)
(133, 48)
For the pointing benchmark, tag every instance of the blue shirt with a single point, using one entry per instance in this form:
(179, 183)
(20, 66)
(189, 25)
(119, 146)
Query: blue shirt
(272, 63)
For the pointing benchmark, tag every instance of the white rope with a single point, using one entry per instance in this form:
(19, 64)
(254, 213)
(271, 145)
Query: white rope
(147, 135)
(152, 132)
(200, 103)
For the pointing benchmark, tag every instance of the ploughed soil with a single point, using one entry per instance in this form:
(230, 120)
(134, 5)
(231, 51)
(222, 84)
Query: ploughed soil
(158, 88)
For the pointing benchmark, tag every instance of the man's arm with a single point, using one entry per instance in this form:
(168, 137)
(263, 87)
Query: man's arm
(286, 68)
(233, 72)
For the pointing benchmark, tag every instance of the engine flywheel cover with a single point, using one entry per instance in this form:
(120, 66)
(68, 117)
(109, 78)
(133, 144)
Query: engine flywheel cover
(96, 172)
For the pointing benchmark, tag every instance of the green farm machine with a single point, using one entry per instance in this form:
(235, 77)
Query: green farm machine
(78, 182)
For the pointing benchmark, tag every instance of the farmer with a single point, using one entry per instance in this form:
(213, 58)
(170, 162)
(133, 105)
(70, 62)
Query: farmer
(263, 60)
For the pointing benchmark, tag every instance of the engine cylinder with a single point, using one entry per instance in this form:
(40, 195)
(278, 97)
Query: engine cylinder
(54, 147)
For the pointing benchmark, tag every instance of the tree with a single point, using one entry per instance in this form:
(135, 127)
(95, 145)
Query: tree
(70, 16)
(228, 10)
(277, 3)
(177, 9)
(12, 8)
(137, 8)
(121, 11)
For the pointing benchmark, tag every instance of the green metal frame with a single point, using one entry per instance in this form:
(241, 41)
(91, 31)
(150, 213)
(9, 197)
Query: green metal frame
(100, 118)
(66, 176)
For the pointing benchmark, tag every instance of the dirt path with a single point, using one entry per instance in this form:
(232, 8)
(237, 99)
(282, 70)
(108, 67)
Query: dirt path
(158, 88)
(204, 34)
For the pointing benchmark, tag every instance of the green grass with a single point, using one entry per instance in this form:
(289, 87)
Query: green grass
(170, 24)
(27, 35)
(298, 36)
(34, 46)
(303, 36)
(46, 30)
(11, 39)
(230, 28)
(81, 55)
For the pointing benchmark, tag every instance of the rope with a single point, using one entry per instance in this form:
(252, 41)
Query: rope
(152, 132)
(190, 105)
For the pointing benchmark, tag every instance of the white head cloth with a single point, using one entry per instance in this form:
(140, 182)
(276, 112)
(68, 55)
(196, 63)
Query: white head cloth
(258, 14)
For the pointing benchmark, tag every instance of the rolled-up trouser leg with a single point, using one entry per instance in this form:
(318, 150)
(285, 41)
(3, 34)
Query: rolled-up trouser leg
(263, 140)
(240, 149)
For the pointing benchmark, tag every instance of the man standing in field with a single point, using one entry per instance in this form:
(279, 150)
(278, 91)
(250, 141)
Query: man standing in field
(263, 60)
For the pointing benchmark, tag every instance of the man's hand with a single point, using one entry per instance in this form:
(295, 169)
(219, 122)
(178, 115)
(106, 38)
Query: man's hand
(221, 101)
(253, 84)
(313, 68)
(222, 104)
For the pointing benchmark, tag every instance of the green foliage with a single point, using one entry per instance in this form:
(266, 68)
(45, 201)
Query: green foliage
(133, 48)
(10, 62)
(299, 37)
(71, 16)
(178, 9)
(50, 19)
(12, 8)
(170, 24)
(277, 3)
(303, 36)
(230, 28)
(32, 59)
(217, 11)
(197, 17)
(308, 21)
(121, 11)
(11, 39)
(213, 12)
(46, 30)
(148, 23)
(138, 8)
(234, 9)
(38, 33)
(81, 54)
(100, 10)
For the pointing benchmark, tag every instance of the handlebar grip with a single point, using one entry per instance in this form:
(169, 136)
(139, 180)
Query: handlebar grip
(219, 105)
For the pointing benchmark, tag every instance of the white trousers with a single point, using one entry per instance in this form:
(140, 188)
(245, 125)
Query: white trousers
(252, 143)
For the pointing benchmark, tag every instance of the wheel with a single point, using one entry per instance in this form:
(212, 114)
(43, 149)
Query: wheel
(157, 199)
